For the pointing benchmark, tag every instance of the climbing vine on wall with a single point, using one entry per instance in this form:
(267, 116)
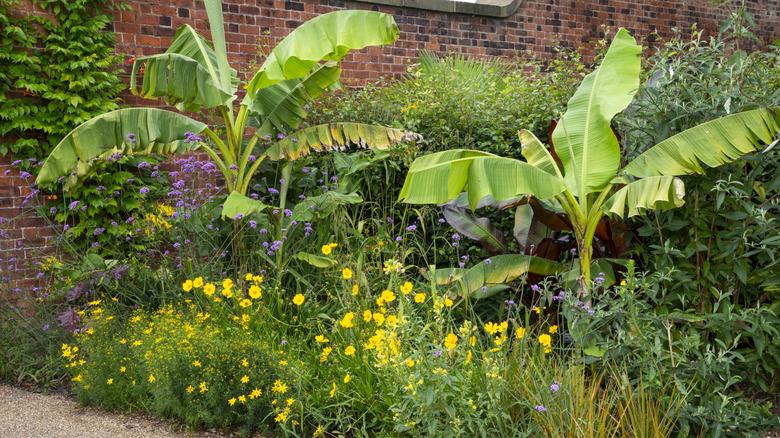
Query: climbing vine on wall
(59, 70)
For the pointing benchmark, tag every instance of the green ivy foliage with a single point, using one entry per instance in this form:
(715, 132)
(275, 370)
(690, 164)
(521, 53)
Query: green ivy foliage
(61, 71)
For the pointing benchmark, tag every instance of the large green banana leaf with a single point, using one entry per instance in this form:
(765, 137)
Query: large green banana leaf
(473, 227)
(328, 37)
(237, 205)
(498, 270)
(440, 177)
(283, 104)
(336, 136)
(655, 192)
(129, 130)
(186, 75)
(713, 143)
(217, 27)
(583, 138)
(536, 153)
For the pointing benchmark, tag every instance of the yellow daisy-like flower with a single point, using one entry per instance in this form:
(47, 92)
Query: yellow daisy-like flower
(387, 296)
(419, 298)
(122, 369)
(244, 363)
(255, 292)
(346, 321)
(492, 328)
(367, 316)
(232, 401)
(245, 303)
(279, 387)
(203, 388)
(392, 320)
(451, 341)
(355, 289)
(209, 289)
(187, 286)
(519, 332)
(318, 432)
(448, 302)
(379, 319)
(406, 288)
(245, 379)
(346, 273)
(545, 341)
(333, 390)
(196, 363)
(227, 283)
(327, 249)
(298, 299)
(242, 399)
(321, 339)
(349, 351)
(257, 392)
(152, 379)
(325, 354)
(409, 363)
(227, 293)
(553, 329)
(248, 276)
(347, 378)
(110, 382)
(190, 389)
(197, 283)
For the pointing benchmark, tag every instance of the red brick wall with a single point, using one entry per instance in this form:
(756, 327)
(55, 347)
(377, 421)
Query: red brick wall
(535, 29)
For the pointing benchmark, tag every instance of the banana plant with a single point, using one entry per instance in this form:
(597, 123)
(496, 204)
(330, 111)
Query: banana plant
(588, 182)
(194, 76)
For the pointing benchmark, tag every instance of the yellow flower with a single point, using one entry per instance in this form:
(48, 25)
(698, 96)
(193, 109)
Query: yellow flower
(451, 341)
(392, 320)
(349, 351)
(122, 369)
(298, 299)
(333, 390)
(232, 401)
(152, 379)
(245, 379)
(409, 362)
(318, 432)
(227, 293)
(197, 283)
(203, 388)
(469, 356)
(419, 298)
(519, 332)
(321, 339)
(545, 341)
(346, 322)
(553, 329)
(347, 378)
(255, 393)
(327, 249)
(110, 382)
(190, 389)
(406, 288)
(255, 292)
(355, 289)
(502, 328)
(491, 328)
(196, 363)
(387, 296)
(346, 273)
(248, 276)
(227, 283)
(448, 302)
(279, 387)
(379, 319)
(187, 286)
(367, 316)
(325, 353)
(245, 303)
(209, 289)
(622, 282)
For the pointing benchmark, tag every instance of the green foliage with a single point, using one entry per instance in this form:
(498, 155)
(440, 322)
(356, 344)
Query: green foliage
(61, 72)
(459, 103)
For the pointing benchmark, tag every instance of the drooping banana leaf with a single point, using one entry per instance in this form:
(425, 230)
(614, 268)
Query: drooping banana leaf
(283, 104)
(237, 205)
(323, 205)
(476, 228)
(440, 177)
(476, 281)
(128, 131)
(583, 138)
(328, 37)
(186, 75)
(655, 192)
(536, 153)
(528, 230)
(713, 143)
(336, 136)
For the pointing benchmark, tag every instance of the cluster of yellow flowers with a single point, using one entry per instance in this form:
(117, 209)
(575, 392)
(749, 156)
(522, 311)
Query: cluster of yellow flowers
(244, 298)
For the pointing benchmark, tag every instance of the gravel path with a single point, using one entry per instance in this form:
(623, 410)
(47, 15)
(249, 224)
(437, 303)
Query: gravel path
(25, 414)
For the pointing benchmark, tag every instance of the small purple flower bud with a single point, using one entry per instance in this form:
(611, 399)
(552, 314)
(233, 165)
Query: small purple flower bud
(540, 408)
